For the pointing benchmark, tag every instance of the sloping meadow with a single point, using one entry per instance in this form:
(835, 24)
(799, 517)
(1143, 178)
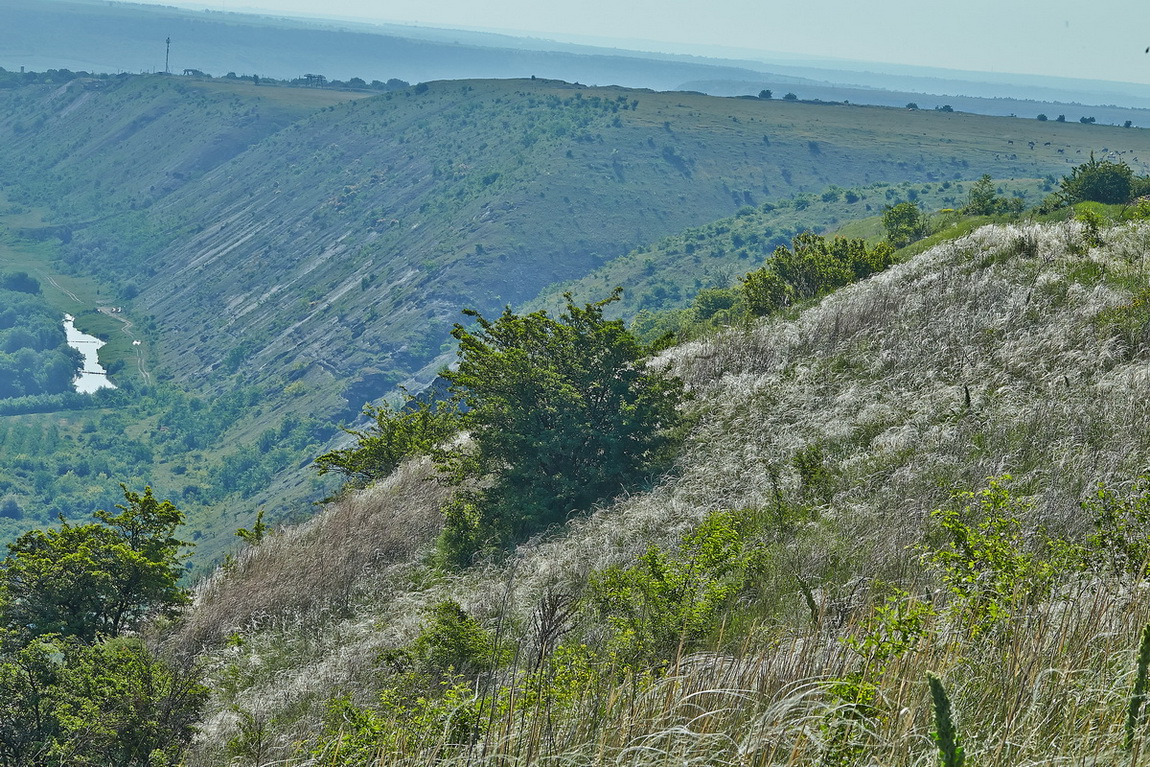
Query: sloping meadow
(781, 597)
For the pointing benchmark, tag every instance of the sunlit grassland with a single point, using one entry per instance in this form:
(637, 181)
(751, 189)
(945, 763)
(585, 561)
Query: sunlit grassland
(1017, 349)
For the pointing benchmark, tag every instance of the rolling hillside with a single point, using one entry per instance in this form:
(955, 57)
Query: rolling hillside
(829, 438)
(265, 245)
(305, 250)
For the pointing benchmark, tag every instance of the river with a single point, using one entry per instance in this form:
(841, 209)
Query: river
(93, 376)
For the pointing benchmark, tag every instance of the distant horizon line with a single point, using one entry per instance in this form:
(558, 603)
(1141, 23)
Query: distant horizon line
(710, 52)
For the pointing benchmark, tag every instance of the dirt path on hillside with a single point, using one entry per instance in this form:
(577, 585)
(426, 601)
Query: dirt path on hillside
(58, 286)
(136, 343)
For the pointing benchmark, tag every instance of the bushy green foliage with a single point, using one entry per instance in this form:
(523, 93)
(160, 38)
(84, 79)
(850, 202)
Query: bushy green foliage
(429, 727)
(896, 627)
(711, 301)
(1092, 223)
(35, 358)
(255, 536)
(70, 463)
(666, 603)
(1120, 540)
(75, 691)
(904, 223)
(112, 703)
(20, 282)
(428, 704)
(814, 265)
(561, 412)
(1098, 181)
(983, 200)
(893, 629)
(990, 563)
(97, 579)
(765, 292)
(453, 641)
(415, 429)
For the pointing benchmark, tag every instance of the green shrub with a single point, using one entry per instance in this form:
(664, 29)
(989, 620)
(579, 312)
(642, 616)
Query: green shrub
(668, 601)
(991, 565)
(1098, 181)
(562, 414)
(904, 223)
(88, 705)
(416, 429)
(1120, 541)
(765, 292)
(453, 642)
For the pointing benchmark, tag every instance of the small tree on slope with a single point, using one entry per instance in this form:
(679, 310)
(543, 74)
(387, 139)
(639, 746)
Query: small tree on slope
(562, 414)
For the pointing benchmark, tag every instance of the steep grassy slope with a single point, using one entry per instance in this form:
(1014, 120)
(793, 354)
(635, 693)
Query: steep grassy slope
(101, 146)
(349, 240)
(669, 273)
(1018, 349)
(303, 250)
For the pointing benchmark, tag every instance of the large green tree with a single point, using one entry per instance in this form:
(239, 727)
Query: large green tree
(562, 413)
(97, 579)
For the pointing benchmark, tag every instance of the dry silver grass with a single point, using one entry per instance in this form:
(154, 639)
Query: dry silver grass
(979, 357)
(1047, 688)
(323, 565)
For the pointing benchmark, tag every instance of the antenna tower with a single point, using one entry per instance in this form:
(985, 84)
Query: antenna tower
(167, 53)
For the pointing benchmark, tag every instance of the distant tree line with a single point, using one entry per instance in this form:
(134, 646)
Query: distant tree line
(51, 76)
(16, 79)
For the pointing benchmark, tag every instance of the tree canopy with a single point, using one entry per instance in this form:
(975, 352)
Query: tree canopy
(97, 579)
(417, 428)
(983, 199)
(34, 354)
(904, 224)
(1098, 181)
(562, 413)
(75, 690)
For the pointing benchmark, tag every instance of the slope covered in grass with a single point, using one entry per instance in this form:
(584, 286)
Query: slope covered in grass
(815, 588)
(311, 248)
(293, 229)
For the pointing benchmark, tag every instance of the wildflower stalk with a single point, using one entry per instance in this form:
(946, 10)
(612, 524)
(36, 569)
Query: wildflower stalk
(1135, 713)
(945, 733)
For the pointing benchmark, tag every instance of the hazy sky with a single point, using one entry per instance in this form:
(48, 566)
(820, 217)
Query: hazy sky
(1099, 39)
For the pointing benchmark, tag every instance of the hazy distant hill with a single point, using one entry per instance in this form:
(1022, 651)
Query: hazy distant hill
(122, 37)
(943, 96)
(86, 35)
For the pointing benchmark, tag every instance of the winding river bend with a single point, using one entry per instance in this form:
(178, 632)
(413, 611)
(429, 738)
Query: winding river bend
(93, 376)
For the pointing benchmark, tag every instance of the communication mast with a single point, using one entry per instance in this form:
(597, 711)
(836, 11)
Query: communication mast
(167, 53)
